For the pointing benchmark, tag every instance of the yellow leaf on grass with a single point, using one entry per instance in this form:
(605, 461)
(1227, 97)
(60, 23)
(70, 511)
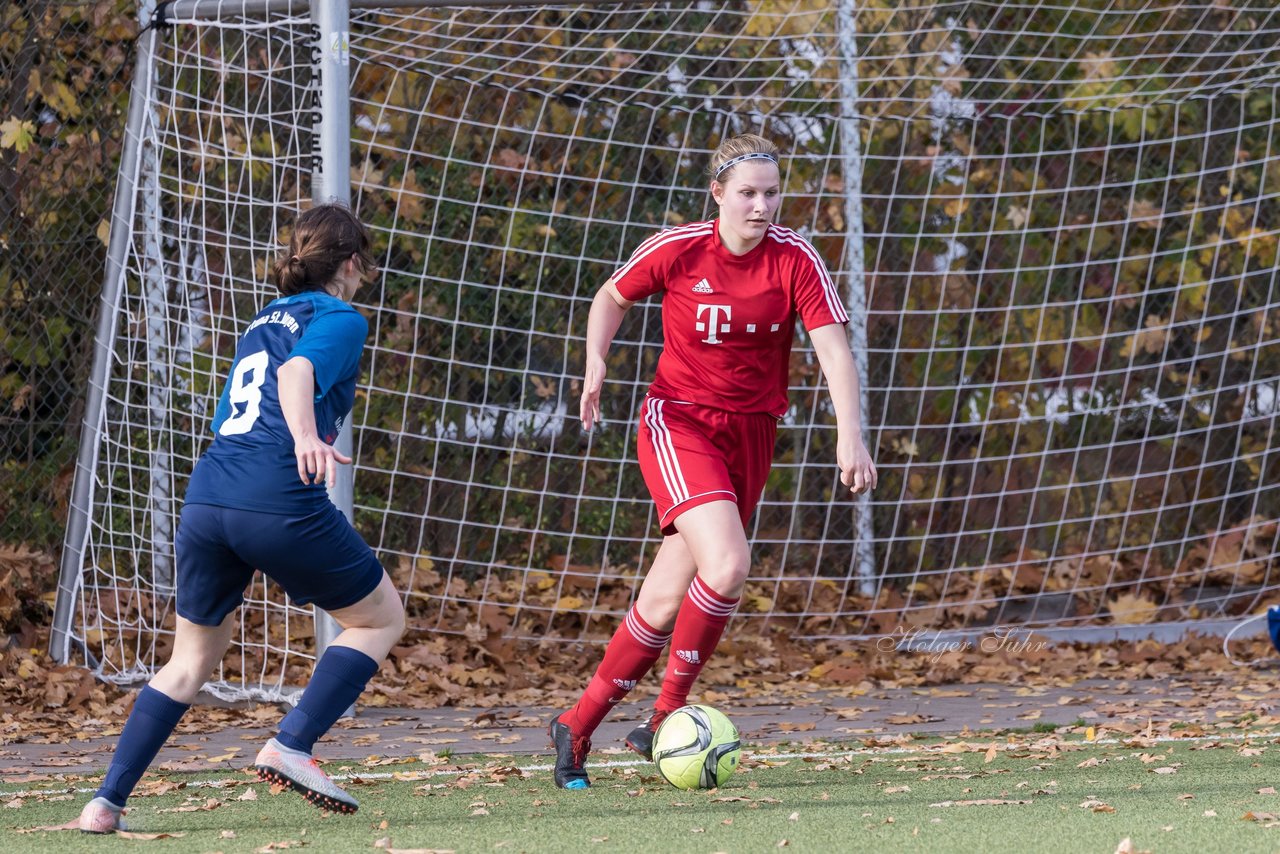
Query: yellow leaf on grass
(794, 726)
(1129, 609)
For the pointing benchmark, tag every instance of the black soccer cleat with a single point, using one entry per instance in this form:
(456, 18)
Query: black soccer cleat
(571, 756)
(640, 739)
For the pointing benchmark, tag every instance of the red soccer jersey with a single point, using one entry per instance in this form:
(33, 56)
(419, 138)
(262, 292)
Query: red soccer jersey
(728, 320)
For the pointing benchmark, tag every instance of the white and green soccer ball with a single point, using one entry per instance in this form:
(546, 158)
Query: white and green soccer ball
(696, 747)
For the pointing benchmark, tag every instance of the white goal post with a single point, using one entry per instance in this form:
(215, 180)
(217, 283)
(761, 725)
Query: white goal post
(1055, 225)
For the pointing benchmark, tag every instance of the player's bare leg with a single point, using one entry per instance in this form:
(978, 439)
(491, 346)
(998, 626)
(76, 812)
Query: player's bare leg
(666, 582)
(197, 650)
(374, 624)
(713, 548)
(631, 653)
(716, 540)
(370, 628)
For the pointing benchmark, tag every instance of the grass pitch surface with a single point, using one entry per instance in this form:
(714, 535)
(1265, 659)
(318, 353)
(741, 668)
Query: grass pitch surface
(1022, 793)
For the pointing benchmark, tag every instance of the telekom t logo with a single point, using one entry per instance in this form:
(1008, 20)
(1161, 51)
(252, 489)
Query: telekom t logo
(713, 324)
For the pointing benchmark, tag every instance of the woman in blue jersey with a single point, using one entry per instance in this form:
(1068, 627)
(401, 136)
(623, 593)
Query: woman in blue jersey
(257, 500)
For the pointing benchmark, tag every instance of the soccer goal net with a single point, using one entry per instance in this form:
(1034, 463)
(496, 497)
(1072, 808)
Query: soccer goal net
(1055, 225)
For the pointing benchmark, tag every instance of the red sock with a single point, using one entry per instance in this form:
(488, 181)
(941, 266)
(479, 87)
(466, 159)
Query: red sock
(702, 618)
(633, 650)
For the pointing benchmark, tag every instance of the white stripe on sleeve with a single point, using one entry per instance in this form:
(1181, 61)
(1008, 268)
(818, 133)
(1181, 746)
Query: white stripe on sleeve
(832, 295)
(661, 239)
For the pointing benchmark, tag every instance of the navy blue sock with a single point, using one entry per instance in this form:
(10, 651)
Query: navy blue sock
(339, 678)
(1273, 625)
(149, 726)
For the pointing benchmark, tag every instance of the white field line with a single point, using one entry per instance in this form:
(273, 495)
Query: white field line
(631, 763)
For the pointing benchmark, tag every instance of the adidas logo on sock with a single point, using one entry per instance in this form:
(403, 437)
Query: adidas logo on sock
(689, 655)
(625, 684)
(703, 287)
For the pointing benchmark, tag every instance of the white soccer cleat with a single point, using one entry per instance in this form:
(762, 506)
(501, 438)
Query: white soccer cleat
(100, 816)
(299, 771)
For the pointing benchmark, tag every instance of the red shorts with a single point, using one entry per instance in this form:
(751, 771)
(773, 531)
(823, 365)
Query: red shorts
(691, 455)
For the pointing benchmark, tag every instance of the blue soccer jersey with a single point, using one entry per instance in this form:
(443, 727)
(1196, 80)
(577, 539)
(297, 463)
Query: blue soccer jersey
(251, 463)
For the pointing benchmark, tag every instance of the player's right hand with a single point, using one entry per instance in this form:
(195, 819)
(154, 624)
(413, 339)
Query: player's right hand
(318, 461)
(857, 471)
(592, 382)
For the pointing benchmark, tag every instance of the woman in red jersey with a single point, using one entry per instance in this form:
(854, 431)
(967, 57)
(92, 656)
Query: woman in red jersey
(732, 289)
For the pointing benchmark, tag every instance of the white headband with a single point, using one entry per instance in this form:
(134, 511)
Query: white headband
(755, 155)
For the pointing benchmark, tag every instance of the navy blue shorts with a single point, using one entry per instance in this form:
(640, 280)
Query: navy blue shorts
(318, 558)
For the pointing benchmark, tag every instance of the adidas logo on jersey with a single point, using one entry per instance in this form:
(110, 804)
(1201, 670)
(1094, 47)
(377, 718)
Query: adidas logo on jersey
(625, 684)
(703, 287)
(689, 655)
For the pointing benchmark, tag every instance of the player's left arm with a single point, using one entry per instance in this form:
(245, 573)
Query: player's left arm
(317, 460)
(328, 351)
(831, 344)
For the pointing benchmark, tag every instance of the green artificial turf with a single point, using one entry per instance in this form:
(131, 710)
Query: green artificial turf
(1029, 794)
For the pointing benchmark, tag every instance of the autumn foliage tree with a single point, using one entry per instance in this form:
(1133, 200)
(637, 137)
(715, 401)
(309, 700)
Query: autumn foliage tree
(1069, 254)
(64, 74)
